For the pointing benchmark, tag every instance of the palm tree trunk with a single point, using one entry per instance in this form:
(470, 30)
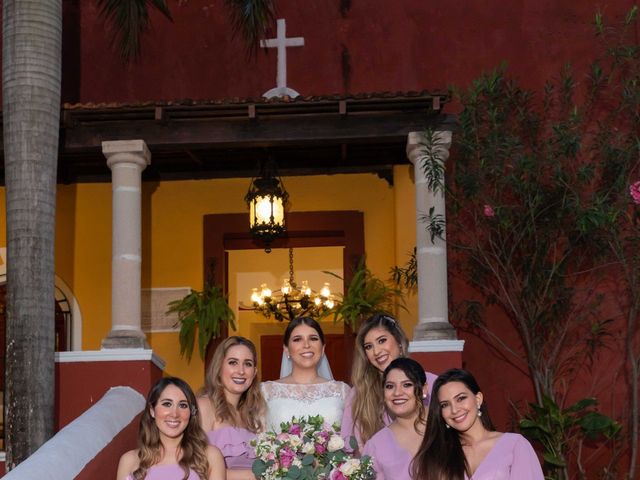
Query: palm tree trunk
(31, 63)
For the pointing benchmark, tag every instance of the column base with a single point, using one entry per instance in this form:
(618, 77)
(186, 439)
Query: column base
(434, 331)
(436, 356)
(125, 339)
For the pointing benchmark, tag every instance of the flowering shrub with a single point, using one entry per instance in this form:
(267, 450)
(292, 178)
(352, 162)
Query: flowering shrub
(307, 449)
(634, 190)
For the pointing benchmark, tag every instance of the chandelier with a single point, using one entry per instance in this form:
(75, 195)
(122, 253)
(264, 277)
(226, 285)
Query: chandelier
(266, 199)
(291, 300)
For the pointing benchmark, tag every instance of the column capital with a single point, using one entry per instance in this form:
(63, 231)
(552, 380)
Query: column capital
(126, 151)
(416, 140)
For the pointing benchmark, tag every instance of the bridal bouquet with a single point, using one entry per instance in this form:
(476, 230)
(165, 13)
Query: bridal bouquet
(307, 449)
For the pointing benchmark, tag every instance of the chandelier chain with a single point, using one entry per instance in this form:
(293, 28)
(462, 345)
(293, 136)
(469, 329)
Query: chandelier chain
(291, 280)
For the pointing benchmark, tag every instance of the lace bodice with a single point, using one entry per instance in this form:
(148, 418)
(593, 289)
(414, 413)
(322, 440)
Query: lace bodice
(285, 400)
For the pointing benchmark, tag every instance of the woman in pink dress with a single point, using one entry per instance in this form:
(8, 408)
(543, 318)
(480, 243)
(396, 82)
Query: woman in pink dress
(461, 442)
(232, 406)
(380, 340)
(172, 446)
(393, 447)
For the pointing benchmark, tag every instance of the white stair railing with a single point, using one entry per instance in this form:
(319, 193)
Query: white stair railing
(65, 455)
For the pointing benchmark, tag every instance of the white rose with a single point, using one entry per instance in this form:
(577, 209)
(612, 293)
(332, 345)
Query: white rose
(295, 440)
(309, 448)
(350, 467)
(335, 443)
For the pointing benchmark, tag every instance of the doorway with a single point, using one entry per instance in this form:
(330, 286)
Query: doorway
(226, 233)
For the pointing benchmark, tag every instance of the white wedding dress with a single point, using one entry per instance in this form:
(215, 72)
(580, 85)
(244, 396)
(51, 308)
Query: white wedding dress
(286, 400)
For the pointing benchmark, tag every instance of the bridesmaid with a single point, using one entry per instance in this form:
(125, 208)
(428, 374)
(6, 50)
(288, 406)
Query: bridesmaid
(461, 442)
(232, 406)
(380, 340)
(171, 443)
(393, 447)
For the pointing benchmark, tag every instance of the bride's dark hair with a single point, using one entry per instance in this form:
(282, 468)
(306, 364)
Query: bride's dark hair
(308, 321)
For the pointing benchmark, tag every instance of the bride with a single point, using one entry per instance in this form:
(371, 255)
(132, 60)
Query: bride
(304, 389)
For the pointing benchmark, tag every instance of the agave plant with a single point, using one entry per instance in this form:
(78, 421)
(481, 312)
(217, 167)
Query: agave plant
(202, 312)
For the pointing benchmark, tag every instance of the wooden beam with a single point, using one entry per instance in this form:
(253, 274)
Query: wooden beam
(260, 132)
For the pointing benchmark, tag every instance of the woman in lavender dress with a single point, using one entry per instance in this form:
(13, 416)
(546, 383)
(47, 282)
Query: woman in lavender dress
(461, 443)
(380, 340)
(232, 406)
(393, 447)
(171, 443)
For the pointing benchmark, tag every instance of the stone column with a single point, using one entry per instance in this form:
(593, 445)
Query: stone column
(431, 256)
(126, 159)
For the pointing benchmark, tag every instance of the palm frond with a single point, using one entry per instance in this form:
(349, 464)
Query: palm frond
(251, 19)
(129, 19)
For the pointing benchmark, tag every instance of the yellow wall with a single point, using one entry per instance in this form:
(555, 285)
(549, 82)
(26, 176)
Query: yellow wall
(172, 220)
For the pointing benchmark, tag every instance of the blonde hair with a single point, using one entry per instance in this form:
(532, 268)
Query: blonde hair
(251, 407)
(193, 445)
(368, 403)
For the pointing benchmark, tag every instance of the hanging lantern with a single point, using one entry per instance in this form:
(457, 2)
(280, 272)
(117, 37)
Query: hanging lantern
(266, 199)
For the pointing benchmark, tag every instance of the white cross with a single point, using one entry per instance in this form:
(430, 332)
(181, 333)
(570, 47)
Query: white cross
(281, 42)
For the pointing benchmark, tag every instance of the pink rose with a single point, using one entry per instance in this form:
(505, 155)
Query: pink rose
(634, 190)
(320, 449)
(295, 429)
(286, 457)
(488, 211)
(336, 474)
(282, 437)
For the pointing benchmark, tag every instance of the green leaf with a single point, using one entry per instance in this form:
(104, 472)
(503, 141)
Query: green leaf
(205, 312)
(129, 19)
(594, 423)
(251, 19)
(294, 472)
(581, 405)
(554, 460)
(258, 468)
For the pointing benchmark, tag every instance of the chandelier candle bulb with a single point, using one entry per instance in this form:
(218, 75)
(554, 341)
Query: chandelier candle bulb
(325, 291)
(292, 301)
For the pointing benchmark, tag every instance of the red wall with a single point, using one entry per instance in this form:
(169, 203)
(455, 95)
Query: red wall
(391, 46)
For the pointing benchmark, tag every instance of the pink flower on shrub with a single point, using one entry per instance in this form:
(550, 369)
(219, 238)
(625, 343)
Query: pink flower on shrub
(295, 429)
(488, 211)
(634, 190)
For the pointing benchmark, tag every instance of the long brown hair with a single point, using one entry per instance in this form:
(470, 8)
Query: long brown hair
(440, 455)
(415, 373)
(368, 403)
(193, 445)
(251, 406)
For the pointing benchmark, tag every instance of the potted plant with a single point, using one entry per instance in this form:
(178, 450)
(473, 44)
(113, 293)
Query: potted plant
(366, 295)
(205, 312)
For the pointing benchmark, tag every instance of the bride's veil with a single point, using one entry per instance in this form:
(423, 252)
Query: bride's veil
(324, 369)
